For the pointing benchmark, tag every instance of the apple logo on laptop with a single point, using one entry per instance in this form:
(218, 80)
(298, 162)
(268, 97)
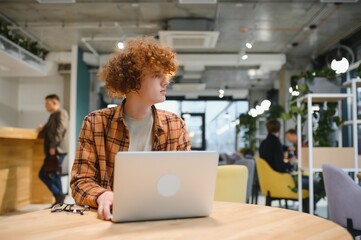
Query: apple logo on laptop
(168, 185)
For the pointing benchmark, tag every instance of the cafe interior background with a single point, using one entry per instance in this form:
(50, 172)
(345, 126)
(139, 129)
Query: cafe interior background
(236, 57)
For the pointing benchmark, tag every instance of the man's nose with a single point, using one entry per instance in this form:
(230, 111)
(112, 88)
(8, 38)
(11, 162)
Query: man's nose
(165, 83)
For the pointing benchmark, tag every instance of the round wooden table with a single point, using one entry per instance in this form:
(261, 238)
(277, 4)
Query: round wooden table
(227, 221)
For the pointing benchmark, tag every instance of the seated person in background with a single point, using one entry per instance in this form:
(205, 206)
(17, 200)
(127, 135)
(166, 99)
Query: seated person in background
(271, 149)
(291, 136)
(141, 72)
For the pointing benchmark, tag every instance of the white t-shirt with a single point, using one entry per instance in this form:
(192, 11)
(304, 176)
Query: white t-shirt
(140, 132)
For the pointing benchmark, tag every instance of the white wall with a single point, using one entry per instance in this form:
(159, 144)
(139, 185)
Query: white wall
(32, 92)
(8, 102)
(22, 100)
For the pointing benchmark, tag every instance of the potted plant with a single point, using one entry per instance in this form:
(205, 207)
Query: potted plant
(249, 126)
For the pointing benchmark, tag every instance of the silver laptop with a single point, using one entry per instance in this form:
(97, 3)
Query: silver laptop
(163, 185)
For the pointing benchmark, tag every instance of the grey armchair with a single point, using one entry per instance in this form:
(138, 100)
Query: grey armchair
(343, 198)
(236, 159)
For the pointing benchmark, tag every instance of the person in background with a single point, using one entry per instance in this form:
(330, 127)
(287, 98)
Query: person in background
(291, 136)
(140, 73)
(55, 134)
(272, 150)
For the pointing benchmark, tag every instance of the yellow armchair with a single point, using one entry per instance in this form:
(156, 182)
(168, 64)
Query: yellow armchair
(231, 184)
(275, 185)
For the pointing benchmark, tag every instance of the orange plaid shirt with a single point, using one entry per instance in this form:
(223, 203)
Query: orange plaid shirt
(102, 135)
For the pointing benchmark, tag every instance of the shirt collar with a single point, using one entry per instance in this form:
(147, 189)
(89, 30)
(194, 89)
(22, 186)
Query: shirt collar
(119, 116)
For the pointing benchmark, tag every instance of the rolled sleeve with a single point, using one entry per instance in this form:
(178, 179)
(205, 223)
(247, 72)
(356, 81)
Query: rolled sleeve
(85, 172)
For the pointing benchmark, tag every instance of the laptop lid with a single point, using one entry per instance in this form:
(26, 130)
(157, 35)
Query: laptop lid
(163, 185)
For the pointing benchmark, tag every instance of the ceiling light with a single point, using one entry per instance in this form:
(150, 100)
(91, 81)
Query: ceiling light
(252, 72)
(342, 56)
(259, 110)
(340, 66)
(249, 45)
(265, 104)
(120, 45)
(244, 57)
(252, 112)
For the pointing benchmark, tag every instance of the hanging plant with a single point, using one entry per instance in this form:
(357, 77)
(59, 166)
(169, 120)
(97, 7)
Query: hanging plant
(309, 76)
(31, 46)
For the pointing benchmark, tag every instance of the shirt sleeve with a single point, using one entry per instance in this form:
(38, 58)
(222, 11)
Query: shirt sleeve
(85, 171)
(184, 143)
(58, 128)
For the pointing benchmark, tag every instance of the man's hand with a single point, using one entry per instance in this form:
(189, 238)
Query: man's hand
(105, 201)
(40, 128)
(52, 151)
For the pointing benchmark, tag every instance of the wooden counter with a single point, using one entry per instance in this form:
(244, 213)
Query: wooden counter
(21, 156)
(227, 221)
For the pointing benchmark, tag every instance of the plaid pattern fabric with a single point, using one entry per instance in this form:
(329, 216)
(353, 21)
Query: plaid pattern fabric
(102, 135)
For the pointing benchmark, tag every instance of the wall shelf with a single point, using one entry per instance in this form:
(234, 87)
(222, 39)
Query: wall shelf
(18, 62)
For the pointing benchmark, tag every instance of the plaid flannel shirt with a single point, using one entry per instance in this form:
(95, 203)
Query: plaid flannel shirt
(102, 135)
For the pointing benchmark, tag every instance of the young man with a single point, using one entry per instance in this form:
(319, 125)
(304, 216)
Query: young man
(291, 136)
(55, 137)
(271, 149)
(141, 73)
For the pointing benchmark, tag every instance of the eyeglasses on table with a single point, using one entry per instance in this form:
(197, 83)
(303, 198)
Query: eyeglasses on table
(73, 208)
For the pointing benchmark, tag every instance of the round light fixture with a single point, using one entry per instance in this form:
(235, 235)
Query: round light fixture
(249, 45)
(120, 45)
(265, 104)
(339, 58)
(340, 66)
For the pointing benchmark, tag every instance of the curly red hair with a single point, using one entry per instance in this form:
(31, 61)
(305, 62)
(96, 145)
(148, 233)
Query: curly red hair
(123, 72)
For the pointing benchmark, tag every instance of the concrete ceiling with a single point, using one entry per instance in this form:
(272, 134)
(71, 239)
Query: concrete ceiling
(279, 29)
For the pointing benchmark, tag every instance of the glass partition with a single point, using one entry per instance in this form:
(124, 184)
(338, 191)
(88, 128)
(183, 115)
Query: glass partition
(211, 124)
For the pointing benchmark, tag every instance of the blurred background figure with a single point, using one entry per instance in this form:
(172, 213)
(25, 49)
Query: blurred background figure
(291, 136)
(272, 150)
(55, 133)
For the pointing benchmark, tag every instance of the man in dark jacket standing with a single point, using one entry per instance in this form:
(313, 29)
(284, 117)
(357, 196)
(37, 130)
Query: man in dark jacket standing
(55, 137)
